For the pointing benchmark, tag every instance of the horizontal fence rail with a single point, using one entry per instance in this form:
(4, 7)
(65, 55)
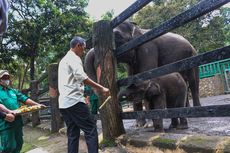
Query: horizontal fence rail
(46, 89)
(136, 6)
(198, 10)
(188, 63)
(188, 112)
(43, 77)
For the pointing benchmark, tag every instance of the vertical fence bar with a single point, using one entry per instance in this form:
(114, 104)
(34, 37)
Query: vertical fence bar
(34, 96)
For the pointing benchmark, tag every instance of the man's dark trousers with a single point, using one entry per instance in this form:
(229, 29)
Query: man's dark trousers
(78, 117)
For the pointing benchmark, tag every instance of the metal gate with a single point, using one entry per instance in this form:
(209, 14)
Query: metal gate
(227, 80)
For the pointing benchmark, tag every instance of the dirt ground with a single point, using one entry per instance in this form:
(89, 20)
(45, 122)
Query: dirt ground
(44, 142)
(52, 143)
(57, 143)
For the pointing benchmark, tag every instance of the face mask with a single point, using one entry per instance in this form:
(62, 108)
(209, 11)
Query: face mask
(5, 82)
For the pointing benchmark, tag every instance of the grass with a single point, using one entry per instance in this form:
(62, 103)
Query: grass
(27, 147)
(164, 140)
(107, 143)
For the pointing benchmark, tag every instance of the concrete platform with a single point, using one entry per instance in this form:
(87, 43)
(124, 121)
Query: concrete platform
(145, 137)
(188, 143)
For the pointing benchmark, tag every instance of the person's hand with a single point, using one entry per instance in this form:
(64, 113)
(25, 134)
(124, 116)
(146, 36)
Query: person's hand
(9, 117)
(87, 100)
(14, 112)
(105, 91)
(42, 106)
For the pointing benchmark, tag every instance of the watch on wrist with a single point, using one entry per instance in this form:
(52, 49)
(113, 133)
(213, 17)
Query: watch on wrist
(2, 115)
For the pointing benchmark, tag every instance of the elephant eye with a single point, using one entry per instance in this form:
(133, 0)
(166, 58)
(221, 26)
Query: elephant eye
(132, 86)
(119, 40)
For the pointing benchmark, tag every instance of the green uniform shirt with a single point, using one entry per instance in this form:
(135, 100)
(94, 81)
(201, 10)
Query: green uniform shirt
(10, 98)
(94, 102)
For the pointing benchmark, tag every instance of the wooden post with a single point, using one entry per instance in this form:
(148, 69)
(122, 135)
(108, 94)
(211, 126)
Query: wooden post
(112, 125)
(56, 121)
(34, 96)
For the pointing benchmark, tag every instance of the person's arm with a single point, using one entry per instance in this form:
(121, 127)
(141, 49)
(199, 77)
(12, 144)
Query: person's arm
(96, 86)
(6, 110)
(26, 100)
(6, 114)
(30, 102)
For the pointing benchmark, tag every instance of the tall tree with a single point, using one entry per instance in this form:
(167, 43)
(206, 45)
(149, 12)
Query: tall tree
(225, 13)
(39, 31)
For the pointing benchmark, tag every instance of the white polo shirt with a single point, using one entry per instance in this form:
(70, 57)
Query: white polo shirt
(70, 80)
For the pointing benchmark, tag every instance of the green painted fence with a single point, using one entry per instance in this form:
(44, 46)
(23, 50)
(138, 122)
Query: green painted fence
(211, 69)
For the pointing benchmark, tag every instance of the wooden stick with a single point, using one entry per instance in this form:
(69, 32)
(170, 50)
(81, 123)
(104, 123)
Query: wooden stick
(107, 99)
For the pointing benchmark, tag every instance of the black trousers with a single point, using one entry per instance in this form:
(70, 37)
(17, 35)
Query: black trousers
(78, 117)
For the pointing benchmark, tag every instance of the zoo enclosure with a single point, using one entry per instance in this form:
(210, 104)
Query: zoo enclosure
(219, 68)
(211, 69)
(198, 10)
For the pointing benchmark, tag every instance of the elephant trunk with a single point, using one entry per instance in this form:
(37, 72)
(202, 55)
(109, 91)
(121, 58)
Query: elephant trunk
(89, 65)
(122, 95)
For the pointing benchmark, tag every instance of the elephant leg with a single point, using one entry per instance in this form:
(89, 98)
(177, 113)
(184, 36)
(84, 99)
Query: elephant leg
(183, 123)
(159, 103)
(194, 85)
(149, 122)
(158, 125)
(187, 100)
(137, 106)
(174, 123)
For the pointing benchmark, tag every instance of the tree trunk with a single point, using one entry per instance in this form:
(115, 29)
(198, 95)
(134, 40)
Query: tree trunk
(19, 80)
(24, 75)
(112, 125)
(56, 121)
(32, 68)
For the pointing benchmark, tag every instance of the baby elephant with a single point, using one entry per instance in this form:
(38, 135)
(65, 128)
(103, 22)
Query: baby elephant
(168, 91)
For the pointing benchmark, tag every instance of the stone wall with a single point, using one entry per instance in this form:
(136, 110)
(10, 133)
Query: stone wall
(211, 86)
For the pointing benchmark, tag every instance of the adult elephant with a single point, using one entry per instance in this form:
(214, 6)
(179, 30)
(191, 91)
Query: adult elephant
(163, 50)
(168, 91)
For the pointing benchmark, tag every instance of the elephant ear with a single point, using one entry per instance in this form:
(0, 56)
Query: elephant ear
(136, 31)
(154, 89)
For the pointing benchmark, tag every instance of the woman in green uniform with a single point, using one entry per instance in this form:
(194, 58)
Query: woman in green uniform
(11, 139)
(93, 99)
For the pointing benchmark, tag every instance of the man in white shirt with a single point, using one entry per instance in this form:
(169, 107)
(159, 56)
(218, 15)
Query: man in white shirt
(75, 112)
(3, 16)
